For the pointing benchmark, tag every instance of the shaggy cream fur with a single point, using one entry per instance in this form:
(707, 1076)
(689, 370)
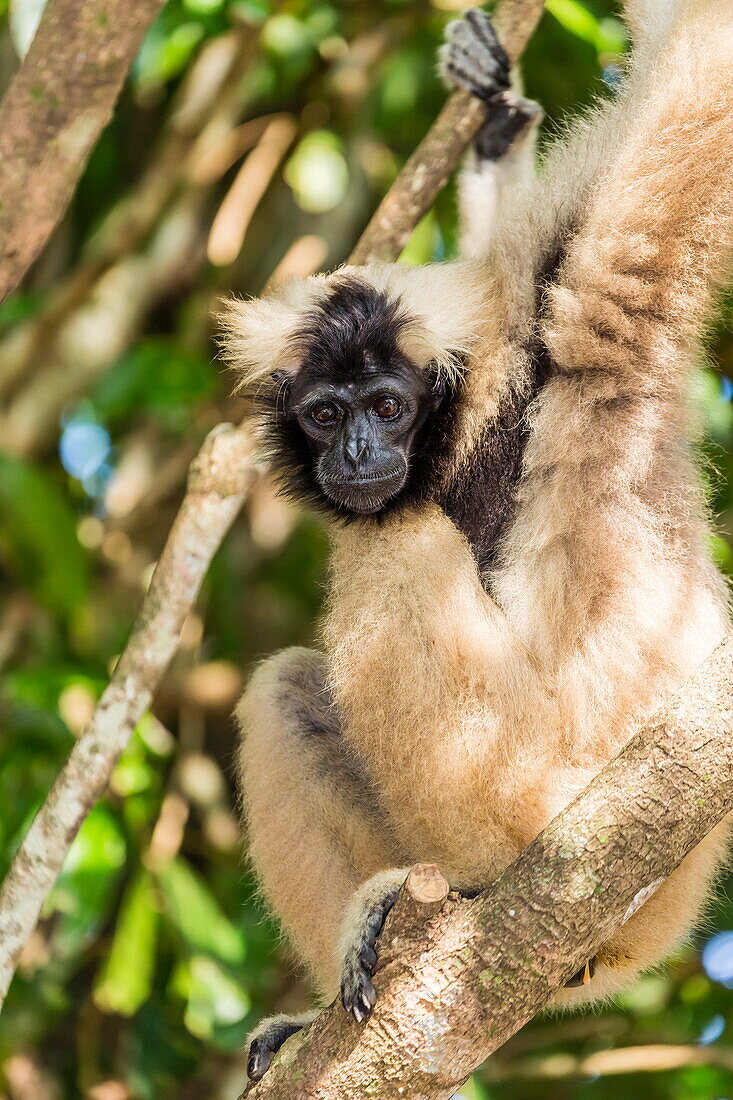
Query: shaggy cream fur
(468, 720)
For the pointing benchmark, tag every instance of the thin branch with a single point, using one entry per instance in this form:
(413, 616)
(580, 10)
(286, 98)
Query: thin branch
(204, 518)
(453, 988)
(54, 110)
(220, 479)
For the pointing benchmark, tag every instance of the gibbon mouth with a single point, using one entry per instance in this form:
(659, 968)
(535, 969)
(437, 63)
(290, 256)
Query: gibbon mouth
(364, 494)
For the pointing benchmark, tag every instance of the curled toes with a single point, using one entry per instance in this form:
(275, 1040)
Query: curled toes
(266, 1042)
(358, 994)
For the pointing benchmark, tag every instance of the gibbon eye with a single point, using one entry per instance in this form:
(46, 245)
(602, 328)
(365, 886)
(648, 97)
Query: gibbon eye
(387, 408)
(325, 413)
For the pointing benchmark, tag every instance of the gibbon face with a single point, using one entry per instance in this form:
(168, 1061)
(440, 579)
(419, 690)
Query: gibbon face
(353, 378)
(355, 409)
(361, 426)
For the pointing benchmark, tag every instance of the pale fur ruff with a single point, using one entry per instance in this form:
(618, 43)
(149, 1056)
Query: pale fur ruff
(439, 304)
(468, 720)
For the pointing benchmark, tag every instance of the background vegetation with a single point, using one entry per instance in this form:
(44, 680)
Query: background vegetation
(252, 140)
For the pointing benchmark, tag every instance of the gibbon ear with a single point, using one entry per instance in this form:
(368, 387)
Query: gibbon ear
(259, 334)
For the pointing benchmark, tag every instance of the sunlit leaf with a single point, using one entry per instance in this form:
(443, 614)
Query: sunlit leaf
(126, 978)
(605, 35)
(213, 998)
(197, 915)
(284, 35)
(318, 173)
(166, 51)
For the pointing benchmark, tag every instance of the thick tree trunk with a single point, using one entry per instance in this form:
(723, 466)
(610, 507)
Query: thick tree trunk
(457, 985)
(53, 112)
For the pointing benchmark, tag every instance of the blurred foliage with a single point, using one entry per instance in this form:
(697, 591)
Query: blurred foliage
(153, 958)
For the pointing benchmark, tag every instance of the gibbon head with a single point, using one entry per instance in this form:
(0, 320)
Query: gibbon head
(350, 373)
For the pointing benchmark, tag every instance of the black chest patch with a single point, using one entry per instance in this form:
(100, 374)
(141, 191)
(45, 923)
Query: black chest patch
(480, 498)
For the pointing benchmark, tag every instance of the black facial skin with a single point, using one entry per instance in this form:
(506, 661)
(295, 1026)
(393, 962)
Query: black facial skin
(362, 433)
(358, 429)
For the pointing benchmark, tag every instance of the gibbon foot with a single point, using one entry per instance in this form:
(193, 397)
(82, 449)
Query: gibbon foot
(583, 976)
(472, 58)
(267, 1039)
(358, 995)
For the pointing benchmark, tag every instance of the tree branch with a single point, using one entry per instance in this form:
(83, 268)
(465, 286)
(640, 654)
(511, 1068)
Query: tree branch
(456, 986)
(202, 522)
(54, 110)
(220, 478)
(650, 1058)
(429, 168)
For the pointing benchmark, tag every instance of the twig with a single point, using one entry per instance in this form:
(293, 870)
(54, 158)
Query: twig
(456, 989)
(202, 522)
(54, 110)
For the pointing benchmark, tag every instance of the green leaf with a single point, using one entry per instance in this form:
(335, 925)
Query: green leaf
(214, 999)
(318, 172)
(197, 915)
(158, 377)
(38, 534)
(605, 35)
(86, 886)
(126, 979)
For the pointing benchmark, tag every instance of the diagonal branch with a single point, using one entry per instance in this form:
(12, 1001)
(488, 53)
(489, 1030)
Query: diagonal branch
(455, 986)
(219, 480)
(55, 108)
(429, 168)
(202, 522)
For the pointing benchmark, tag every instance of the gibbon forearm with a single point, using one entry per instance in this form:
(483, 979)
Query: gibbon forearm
(489, 187)
(636, 285)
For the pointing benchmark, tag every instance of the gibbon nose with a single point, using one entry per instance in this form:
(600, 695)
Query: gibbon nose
(354, 450)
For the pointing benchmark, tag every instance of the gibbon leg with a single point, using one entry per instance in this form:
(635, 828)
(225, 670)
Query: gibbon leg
(314, 823)
(501, 159)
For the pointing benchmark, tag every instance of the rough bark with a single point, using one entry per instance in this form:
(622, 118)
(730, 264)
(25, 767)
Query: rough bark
(54, 110)
(428, 169)
(455, 987)
(220, 478)
(194, 539)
